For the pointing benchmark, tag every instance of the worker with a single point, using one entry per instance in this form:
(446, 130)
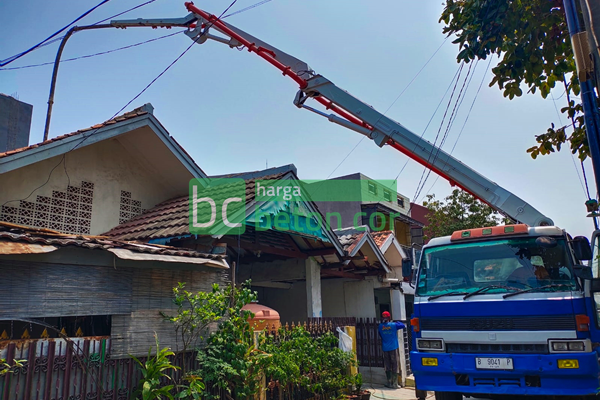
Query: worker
(388, 331)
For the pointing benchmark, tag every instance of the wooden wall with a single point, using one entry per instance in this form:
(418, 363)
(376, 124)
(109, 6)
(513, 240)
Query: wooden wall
(133, 296)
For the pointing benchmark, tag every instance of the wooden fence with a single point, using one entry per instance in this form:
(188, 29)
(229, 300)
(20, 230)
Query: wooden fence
(82, 368)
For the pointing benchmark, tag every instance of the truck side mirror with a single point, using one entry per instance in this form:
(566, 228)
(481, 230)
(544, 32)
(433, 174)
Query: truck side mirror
(584, 272)
(582, 248)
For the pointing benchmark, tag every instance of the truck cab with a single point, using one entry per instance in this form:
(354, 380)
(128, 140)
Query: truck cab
(506, 310)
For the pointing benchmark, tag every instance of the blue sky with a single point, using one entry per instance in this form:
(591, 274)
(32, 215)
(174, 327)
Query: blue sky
(233, 112)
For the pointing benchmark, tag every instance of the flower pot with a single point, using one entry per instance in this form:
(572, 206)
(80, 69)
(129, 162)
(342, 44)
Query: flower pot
(365, 395)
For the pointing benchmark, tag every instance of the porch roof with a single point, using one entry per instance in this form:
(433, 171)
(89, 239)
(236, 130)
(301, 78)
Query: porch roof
(18, 239)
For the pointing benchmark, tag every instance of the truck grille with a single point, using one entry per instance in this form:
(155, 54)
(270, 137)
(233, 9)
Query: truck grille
(520, 323)
(497, 348)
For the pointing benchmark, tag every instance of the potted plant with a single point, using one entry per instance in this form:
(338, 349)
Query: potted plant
(362, 394)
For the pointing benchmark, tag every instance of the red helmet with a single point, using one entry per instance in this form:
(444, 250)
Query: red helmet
(386, 314)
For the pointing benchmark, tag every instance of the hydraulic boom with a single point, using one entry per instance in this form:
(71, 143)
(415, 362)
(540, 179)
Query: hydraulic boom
(354, 114)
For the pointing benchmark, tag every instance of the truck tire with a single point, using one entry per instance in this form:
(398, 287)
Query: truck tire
(448, 396)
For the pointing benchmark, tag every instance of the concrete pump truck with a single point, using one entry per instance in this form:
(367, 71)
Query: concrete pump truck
(506, 310)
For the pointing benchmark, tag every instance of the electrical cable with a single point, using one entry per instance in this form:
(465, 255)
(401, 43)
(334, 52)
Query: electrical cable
(95, 54)
(260, 3)
(429, 122)
(464, 123)
(46, 42)
(417, 192)
(17, 56)
(84, 138)
(587, 188)
(458, 102)
(572, 156)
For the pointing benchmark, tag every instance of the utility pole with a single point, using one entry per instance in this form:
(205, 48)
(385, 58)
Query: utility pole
(591, 20)
(588, 96)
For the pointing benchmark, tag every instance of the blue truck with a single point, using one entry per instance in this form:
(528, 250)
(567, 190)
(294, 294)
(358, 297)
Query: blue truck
(507, 310)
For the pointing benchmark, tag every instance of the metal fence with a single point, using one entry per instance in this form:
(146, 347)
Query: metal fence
(368, 343)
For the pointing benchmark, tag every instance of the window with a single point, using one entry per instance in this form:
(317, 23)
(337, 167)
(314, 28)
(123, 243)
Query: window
(387, 195)
(506, 264)
(401, 202)
(372, 187)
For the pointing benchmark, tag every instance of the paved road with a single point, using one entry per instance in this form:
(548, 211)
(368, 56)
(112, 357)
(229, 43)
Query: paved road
(382, 393)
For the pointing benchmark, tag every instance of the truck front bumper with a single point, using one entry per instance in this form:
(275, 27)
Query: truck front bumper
(533, 374)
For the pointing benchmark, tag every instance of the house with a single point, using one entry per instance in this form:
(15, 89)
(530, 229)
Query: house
(371, 203)
(285, 264)
(58, 196)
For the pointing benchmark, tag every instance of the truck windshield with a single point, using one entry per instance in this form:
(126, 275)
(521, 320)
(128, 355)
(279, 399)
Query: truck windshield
(503, 265)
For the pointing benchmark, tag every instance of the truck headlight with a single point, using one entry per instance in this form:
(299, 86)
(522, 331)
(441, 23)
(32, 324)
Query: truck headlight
(566, 346)
(430, 344)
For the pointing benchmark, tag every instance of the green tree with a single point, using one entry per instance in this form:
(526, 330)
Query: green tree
(531, 39)
(458, 211)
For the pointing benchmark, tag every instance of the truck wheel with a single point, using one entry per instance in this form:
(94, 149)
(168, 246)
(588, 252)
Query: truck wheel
(448, 396)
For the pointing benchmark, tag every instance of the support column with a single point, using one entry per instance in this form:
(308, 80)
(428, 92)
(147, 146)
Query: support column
(313, 288)
(398, 305)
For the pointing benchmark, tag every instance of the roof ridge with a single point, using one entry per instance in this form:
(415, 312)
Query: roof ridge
(136, 112)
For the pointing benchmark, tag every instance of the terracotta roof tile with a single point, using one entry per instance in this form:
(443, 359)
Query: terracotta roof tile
(381, 237)
(128, 115)
(169, 218)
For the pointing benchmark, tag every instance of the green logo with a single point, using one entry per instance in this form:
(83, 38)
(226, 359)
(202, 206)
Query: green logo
(217, 207)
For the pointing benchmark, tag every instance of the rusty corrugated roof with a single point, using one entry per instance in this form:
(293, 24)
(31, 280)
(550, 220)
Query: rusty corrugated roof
(22, 234)
(169, 218)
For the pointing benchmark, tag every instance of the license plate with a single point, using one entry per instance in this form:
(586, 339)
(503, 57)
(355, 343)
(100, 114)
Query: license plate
(493, 363)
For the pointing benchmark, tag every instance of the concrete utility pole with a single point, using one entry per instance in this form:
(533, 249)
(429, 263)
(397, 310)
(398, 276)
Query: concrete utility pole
(581, 51)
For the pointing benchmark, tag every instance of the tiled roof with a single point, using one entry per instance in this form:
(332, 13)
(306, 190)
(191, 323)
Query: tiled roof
(381, 237)
(19, 233)
(128, 115)
(350, 241)
(169, 218)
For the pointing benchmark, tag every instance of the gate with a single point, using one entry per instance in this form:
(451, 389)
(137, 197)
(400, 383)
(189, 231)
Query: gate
(368, 343)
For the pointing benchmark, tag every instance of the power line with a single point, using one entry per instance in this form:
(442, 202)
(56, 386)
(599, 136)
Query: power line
(429, 122)
(260, 3)
(418, 190)
(83, 139)
(49, 42)
(95, 54)
(464, 123)
(17, 56)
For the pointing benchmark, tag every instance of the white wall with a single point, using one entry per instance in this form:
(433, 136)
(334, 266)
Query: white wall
(108, 165)
(348, 298)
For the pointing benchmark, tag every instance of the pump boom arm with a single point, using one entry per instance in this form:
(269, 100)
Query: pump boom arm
(354, 114)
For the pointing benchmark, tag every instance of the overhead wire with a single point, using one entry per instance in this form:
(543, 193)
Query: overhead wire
(429, 158)
(450, 123)
(429, 122)
(94, 54)
(466, 120)
(85, 137)
(585, 193)
(17, 56)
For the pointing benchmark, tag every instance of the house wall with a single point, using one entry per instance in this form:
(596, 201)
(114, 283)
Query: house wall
(348, 298)
(105, 186)
(133, 296)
